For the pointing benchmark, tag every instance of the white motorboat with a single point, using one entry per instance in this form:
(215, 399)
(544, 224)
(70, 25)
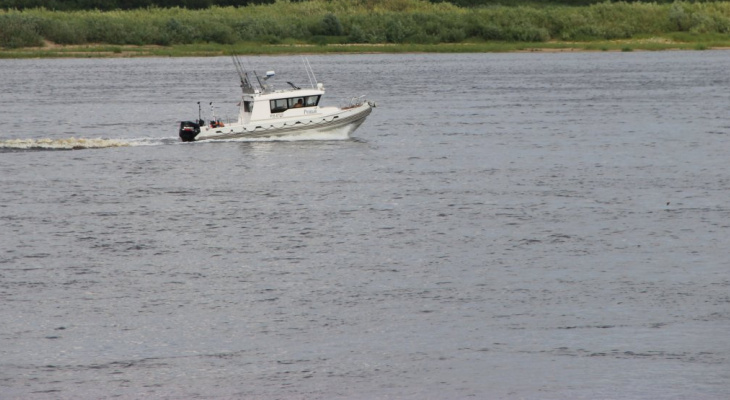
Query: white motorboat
(266, 112)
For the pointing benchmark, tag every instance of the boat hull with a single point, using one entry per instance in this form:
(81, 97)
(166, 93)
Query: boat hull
(350, 118)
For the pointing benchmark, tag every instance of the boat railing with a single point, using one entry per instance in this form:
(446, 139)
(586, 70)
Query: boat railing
(352, 102)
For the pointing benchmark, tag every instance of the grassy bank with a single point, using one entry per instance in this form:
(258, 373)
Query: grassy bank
(362, 26)
(213, 49)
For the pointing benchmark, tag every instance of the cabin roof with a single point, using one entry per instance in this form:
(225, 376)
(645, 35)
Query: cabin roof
(285, 94)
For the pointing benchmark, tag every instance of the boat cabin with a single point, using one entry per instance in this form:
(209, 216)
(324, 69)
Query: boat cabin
(280, 104)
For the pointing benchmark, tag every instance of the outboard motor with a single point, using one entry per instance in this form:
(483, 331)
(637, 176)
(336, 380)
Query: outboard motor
(189, 130)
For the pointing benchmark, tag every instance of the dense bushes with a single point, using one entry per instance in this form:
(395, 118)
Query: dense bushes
(110, 5)
(360, 21)
(17, 30)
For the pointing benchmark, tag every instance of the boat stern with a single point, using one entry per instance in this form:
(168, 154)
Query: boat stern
(189, 130)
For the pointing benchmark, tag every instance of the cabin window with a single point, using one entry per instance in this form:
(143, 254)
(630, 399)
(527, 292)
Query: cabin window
(296, 102)
(279, 105)
(311, 101)
(248, 106)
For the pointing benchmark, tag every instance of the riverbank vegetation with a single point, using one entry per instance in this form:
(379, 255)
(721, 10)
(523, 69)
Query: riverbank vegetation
(109, 5)
(364, 25)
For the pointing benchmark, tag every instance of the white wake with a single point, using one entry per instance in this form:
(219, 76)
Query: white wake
(73, 143)
(77, 143)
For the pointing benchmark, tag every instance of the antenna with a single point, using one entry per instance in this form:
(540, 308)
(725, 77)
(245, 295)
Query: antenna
(310, 72)
(239, 67)
(263, 87)
(246, 86)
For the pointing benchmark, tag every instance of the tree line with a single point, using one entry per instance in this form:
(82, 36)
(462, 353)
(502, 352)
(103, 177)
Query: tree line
(361, 22)
(109, 5)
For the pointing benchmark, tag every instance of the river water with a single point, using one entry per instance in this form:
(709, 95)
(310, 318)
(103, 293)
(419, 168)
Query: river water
(537, 226)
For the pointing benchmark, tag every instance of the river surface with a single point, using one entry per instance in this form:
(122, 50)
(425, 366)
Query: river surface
(517, 226)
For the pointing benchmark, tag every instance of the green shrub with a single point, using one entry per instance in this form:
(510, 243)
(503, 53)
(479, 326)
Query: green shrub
(394, 31)
(18, 30)
(179, 32)
(357, 35)
(218, 33)
(485, 30)
(453, 35)
(331, 26)
(527, 33)
(62, 32)
(679, 17)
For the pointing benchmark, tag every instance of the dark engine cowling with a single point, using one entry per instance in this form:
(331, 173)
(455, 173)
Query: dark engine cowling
(189, 130)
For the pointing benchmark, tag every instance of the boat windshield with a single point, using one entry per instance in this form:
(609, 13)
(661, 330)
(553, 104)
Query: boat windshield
(281, 105)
